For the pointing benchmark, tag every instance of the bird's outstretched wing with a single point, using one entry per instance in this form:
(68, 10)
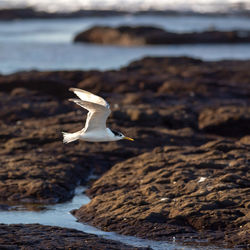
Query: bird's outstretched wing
(97, 115)
(89, 97)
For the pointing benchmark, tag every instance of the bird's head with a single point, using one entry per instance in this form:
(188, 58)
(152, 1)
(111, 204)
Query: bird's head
(120, 136)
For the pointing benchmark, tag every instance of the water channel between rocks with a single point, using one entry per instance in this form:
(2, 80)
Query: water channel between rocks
(59, 215)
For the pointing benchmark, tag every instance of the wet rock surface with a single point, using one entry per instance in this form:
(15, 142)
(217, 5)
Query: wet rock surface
(147, 35)
(227, 120)
(185, 174)
(175, 191)
(35, 236)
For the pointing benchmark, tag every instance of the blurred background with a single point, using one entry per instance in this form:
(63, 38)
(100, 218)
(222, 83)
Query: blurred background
(38, 35)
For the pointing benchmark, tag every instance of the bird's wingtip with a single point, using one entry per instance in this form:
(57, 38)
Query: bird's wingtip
(73, 100)
(79, 90)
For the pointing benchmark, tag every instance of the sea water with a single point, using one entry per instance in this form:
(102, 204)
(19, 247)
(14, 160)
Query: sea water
(131, 5)
(47, 44)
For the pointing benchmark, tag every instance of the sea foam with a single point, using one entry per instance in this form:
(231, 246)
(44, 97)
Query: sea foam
(203, 6)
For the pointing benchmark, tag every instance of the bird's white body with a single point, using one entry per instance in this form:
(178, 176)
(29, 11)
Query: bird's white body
(98, 136)
(95, 129)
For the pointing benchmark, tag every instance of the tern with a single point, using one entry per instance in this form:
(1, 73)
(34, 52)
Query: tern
(95, 129)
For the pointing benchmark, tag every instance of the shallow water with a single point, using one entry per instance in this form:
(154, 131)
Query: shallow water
(59, 215)
(47, 44)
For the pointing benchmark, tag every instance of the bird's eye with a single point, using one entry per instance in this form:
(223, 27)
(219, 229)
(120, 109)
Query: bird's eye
(116, 133)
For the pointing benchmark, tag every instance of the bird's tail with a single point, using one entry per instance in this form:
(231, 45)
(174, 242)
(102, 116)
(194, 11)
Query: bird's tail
(69, 137)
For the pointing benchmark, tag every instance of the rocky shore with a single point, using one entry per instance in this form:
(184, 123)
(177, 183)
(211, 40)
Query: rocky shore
(187, 173)
(35, 236)
(147, 35)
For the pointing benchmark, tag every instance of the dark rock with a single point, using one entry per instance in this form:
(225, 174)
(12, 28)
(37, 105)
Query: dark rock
(143, 35)
(191, 189)
(155, 217)
(35, 236)
(245, 140)
(123, 35)
(228, 121)
(4, 207)
(159, 102)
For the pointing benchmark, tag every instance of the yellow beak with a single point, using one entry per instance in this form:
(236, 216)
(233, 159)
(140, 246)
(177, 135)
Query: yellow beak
(128, 138)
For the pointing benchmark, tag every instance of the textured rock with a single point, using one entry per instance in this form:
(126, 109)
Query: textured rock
(229, 120)
(176, 190)
(35, 236)
(173, 94)
(177, 109)
(143, 35)
(123, 35)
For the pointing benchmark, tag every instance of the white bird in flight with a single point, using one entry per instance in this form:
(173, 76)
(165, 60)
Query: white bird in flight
(95, 129)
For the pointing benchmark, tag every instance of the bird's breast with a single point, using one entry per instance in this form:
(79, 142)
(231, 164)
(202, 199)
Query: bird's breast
(96, 136)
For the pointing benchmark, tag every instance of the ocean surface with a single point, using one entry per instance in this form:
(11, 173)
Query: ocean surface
(131, 5)
(47, 44)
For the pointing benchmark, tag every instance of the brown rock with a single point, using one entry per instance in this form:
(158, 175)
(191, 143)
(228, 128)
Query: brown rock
(245, 140)
(230, 121)
(175, 189)
(158, 102)
(35, 236)
(123, 35)
(143, 35)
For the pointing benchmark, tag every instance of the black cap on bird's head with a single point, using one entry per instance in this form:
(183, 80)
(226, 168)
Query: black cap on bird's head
(121, 136)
